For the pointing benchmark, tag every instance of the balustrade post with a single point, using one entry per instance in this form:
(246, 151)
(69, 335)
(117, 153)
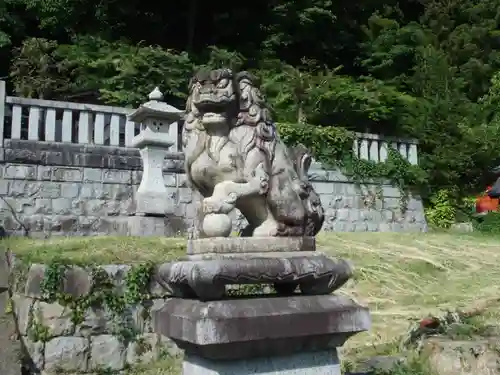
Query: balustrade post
(374, 149)
(364, 153)
(355, 147)
(384, 151)
(413, 154)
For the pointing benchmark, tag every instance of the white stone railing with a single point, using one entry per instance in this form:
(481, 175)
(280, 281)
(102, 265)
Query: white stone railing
(375, 147)
(56, 121)
(53, 121)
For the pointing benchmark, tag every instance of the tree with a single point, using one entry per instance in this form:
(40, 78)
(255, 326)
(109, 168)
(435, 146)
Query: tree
(114, 73)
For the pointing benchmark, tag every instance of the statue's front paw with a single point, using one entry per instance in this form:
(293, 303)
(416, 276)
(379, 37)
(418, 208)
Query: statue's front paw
(219, 205)
(211, 206)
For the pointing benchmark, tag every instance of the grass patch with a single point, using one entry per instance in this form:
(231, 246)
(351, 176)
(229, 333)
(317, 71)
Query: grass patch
(167, 366)
(98, 250)
(402, 277)
(405, 277)
(416, 365)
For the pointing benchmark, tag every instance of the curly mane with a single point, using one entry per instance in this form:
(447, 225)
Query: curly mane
(254, 113)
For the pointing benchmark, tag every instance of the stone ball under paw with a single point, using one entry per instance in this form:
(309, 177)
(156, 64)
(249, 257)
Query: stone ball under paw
(217, 225)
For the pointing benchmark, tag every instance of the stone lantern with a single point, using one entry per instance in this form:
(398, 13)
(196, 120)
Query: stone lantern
(153, 142)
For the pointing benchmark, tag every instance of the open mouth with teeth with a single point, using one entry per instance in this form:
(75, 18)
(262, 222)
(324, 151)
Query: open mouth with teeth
(212, 111)
(207, 106)
(209, 117)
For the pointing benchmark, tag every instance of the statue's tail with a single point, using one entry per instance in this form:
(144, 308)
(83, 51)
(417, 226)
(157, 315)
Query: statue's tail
(315, 214)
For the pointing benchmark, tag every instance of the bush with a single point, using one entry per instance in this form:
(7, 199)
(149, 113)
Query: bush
(328, 144)
(489, 223)
(442, 212)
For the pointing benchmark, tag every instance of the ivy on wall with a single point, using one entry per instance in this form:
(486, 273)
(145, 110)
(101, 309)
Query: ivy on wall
(332, 146)
(103, 294)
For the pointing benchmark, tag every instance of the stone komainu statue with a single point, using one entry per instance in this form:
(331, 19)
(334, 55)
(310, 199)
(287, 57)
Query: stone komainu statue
(236, 159)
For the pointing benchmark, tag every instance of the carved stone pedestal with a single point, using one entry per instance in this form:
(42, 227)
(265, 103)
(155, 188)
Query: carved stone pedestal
(296, 330)
(280, 335)
(207, 279)
(236, 160)
(289, 264)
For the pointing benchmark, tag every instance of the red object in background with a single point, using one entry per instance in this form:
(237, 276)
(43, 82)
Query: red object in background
(429, 323)
(486, 204)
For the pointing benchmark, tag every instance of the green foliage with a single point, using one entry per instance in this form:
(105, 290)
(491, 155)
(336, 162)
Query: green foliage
(37, 70)
(328, 144)
(489, 223)
(37, 332)
(103, 294)
(465, 209)
(117, 73)
(396, 169)
(442, 211)
(332, 146)
(290, 87)
(53, 280)
(8, 21)
(468, 204)
(439, 59)
(219, 57)
(318, 95)
(137, 281)
(415, 365)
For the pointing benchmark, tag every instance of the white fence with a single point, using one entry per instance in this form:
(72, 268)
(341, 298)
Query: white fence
(54, 121)
(375, 147)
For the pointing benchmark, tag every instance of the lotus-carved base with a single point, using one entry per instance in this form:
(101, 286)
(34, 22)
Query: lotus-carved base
(207, 279)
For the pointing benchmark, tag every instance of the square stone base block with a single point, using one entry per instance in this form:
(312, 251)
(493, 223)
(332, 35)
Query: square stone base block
(210, 247)
(316, 363)
(260, 327)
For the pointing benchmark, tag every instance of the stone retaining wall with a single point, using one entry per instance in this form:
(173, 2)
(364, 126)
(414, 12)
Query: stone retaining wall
(86, 326)
(69, 189)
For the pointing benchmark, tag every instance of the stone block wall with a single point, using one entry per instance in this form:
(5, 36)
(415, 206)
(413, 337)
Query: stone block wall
(78, 329)
(70, 189)
(368, 207)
